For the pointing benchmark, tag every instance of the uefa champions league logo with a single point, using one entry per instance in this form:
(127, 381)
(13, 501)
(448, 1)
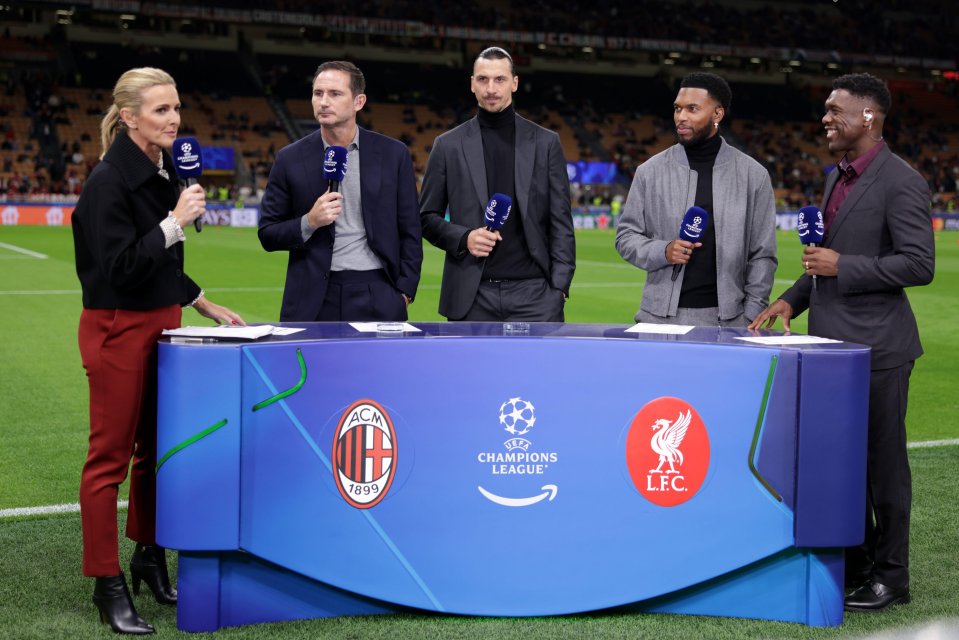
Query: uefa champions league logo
(521, 461)
(695, 229)
(187, 160)
(329, 156)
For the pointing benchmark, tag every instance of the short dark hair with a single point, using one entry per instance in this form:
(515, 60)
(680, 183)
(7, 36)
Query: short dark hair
(495, 53)
(866, 85)
(357, 81)
(717, 87)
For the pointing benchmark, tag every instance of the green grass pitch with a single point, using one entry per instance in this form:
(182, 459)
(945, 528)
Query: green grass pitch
(43, 440)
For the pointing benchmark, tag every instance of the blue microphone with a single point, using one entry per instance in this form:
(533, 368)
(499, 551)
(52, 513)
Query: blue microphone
(811, 229)
(188, 162)
(694, 225)
(334, 166)
(497, 211)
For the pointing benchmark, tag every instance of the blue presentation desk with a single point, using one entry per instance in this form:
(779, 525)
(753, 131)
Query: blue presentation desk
(478, 469)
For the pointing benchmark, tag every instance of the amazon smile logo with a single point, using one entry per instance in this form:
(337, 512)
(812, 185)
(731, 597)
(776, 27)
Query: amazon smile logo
(520, 461)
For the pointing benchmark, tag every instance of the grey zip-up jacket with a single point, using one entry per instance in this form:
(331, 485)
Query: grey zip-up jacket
(663, 188)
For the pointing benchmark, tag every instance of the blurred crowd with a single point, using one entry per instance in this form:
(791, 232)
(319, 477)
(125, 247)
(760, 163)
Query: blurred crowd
(49, 138)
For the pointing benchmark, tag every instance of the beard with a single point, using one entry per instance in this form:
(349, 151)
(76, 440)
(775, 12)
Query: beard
(699, 136)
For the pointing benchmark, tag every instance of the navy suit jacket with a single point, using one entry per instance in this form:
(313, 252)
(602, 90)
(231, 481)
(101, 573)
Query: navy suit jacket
(883, 234)
(390, 215)
(456, 178)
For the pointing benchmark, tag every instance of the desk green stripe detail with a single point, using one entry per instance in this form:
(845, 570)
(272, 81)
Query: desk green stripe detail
(291, 390)
(759, 425)
(186, 443)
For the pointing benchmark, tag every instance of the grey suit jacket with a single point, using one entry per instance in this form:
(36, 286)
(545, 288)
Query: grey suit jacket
(456, 178)
(883, 234)
(744, 218)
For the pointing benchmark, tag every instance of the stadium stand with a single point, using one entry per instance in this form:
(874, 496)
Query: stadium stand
(245, 83)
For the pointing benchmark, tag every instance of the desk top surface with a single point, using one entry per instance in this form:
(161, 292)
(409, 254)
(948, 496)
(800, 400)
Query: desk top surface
(317, 331)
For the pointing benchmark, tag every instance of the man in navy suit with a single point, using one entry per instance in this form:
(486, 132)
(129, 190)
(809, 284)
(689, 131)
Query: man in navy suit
(878, 242)
(355, 253)
(524, 270)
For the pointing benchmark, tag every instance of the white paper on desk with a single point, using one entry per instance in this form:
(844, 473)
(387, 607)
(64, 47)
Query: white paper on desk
(668, 329)
(285, 331)
(374, 327)
(788, 340)
(223, 332)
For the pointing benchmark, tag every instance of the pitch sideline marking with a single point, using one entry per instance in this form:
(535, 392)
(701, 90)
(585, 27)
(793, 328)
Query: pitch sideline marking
(72, 507)
(32, 254)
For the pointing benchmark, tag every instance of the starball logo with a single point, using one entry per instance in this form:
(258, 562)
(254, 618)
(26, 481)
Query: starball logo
(667, 451)
(695, 228)
(364, 454)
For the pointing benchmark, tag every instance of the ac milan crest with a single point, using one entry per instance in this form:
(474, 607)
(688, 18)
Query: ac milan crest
(364, 454)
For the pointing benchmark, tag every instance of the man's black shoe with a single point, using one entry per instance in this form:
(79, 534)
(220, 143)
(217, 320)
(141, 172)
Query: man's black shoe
(854, 582)
(873, 596)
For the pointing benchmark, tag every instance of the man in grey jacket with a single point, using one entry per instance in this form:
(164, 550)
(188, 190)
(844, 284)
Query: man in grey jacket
(725, 278)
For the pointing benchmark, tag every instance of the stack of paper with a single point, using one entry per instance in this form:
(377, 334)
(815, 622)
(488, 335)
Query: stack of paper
(223, 332)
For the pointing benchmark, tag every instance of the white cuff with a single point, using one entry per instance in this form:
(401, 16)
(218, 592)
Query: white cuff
(171, 231)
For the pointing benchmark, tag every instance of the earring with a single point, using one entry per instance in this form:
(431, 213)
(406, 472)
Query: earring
(715, 125)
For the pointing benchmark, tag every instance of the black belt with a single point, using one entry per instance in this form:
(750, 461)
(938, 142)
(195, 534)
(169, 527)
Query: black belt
(358, 277)
(501, 280)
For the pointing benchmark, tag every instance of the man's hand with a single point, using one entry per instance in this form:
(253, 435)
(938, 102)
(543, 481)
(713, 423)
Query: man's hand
(326, 209)
(778, 309)
(480, 242)
(819, 261)
(680, 251)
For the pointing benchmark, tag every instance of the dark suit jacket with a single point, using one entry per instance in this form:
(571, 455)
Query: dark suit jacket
(883, 233)
(456, 178)
(121, 253)
(390, 215)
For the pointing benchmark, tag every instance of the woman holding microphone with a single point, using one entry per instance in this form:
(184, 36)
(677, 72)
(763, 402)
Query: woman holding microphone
(128, 237)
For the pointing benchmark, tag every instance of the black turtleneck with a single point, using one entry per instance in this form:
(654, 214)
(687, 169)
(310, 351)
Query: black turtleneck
(699, 281)
(510, 259)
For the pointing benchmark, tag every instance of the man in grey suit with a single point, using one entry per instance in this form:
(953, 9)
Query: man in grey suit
(878, 241)
(524, 270)
(725, 278)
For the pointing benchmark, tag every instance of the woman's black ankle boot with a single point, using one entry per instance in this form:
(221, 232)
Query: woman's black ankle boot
(149, 565)
(111, 597)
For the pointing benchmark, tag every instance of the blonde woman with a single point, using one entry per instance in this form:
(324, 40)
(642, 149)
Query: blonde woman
(128, 235)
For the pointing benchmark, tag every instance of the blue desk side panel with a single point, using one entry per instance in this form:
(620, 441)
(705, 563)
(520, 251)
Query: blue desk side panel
(831, 461)
(198, 487)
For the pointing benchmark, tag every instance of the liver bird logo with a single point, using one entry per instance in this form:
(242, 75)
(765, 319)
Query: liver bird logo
(667, 439)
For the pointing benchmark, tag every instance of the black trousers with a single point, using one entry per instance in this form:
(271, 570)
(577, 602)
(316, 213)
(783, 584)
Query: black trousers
(884, 556)
(362, 296)
(529, 300)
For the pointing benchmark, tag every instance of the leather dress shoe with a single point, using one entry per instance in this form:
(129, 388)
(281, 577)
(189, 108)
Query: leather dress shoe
(112, 599)
(149, 565)
(873, 596)
(854, 582)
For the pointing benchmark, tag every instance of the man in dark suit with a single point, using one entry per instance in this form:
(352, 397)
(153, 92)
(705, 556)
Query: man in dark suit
(355, 253)
(878, 241)
(522, 272)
